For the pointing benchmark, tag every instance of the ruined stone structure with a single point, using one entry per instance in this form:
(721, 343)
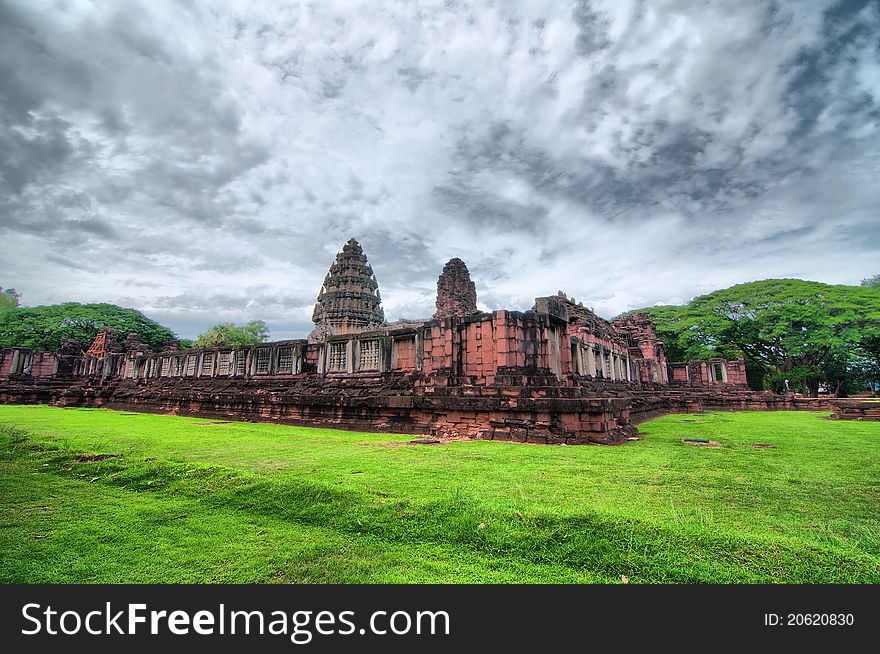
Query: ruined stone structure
(644, 346)
(713, 371)
(105, 343)
(456, 293)
(134, 346)
(555, 374)
(857, 408)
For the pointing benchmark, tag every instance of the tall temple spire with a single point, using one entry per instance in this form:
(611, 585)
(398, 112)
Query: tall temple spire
(349, 299)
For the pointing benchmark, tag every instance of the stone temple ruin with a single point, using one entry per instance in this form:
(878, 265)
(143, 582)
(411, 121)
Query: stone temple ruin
(555, 374)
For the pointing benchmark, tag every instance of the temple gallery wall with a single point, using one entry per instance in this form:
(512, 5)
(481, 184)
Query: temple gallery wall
(555, 374)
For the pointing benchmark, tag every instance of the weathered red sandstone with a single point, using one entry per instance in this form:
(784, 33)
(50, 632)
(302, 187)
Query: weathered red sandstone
(856, 409)
(456, 293)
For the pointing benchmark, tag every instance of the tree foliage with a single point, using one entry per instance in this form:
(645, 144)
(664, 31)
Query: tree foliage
(9, 299)
(226, 333)
(45, 327)
(683, 344)
(807, 332)
(871, 282)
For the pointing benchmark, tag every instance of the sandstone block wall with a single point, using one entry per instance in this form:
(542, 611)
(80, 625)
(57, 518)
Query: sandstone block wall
(855, 409)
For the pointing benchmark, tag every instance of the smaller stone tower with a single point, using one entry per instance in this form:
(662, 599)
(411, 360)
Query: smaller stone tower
(456, 293)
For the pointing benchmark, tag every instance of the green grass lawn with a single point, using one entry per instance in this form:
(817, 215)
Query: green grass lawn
(190, 500)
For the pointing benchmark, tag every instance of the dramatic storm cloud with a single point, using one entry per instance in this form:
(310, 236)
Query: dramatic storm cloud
(204, 161)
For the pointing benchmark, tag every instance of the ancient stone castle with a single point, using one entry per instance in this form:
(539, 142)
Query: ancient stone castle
(555, 374)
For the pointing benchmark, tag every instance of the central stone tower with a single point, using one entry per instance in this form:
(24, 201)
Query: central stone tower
(349, 301)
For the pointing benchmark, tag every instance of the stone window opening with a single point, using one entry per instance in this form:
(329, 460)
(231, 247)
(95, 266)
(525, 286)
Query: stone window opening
(224, 363)
(285, 359)
(338, 352)
(240, 361)
(207, 364)
(262, 365)
(191, 365)
(369, 355)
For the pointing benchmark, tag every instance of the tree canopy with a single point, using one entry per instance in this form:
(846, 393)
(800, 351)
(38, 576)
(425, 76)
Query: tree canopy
(45, 327)
(8, 299)
(871, 282)
(226, 333)
(808, 332)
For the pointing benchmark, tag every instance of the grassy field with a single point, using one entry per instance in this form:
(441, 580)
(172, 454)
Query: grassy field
(189, 500)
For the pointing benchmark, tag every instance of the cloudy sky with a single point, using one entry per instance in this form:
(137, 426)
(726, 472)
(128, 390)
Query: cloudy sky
(204, 161)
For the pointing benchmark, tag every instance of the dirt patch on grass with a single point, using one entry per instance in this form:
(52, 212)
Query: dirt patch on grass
(419, 441)
(89, 458)
(701, 443)
(757, 445)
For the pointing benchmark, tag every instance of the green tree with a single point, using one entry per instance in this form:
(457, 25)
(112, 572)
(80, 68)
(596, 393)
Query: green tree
(867, 359)
(9, 299)
(804, 331)
(807, 332)
(44, 327)
(871, 282)
(683, 341)
(226, 333)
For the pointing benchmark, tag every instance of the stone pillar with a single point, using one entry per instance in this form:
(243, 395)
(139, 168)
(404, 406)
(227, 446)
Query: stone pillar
(324, 358)
(298, 356)
(420, 349)
(385, 346)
